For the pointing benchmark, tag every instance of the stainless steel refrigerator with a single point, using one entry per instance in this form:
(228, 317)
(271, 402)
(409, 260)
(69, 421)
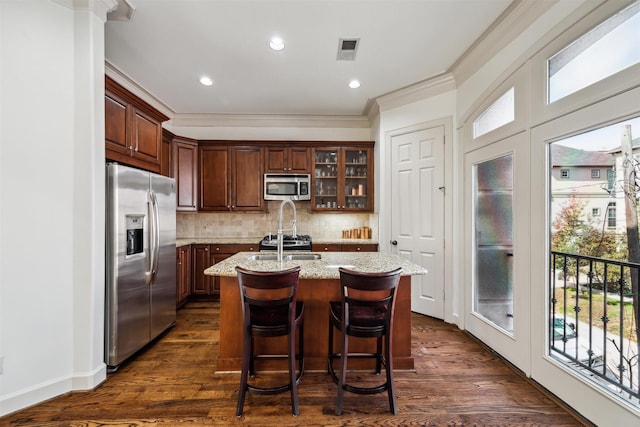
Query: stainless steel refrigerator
(140, 260)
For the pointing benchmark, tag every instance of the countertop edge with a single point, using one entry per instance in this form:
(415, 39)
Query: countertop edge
(324, 268)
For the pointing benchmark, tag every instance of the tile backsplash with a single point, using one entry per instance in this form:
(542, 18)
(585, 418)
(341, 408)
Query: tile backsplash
(319, 226)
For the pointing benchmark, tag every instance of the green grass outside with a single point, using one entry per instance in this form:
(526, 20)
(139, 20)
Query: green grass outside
(615, 309)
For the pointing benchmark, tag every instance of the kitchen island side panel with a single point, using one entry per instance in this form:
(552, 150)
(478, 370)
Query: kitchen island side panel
(316, 294)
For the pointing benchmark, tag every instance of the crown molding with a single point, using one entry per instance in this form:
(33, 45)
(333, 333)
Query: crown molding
(269, 120)
(100, 7)
(123, 12)
(416, 92)
(128, 83)
(520, 14)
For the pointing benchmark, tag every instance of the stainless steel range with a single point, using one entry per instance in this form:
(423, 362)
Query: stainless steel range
(302, 242)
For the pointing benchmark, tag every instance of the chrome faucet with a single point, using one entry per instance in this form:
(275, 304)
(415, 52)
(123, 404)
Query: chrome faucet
(280, 230)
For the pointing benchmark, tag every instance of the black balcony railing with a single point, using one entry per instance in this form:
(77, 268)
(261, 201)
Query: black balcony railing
(592, 324)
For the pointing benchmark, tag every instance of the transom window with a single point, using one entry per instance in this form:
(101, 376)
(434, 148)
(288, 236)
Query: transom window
(605, 50)
(501, 112)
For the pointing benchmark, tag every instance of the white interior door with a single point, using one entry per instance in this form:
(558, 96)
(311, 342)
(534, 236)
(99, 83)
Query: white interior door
(497, 269)
(417, 212)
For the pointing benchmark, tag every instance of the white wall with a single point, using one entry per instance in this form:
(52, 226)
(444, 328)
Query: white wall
(51, 238)
(438, 107)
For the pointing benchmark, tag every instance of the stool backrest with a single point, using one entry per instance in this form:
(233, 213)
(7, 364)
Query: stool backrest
(371, 290)
(268, 289)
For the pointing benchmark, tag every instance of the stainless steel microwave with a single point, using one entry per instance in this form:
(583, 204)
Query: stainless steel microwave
(287, 186)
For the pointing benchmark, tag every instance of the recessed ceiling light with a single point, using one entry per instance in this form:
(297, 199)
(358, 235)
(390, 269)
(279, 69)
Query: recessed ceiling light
(276, 43)
(354, 84)
(206, 81)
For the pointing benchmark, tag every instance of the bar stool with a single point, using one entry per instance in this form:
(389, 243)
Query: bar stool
(366, 310)
(270, 309)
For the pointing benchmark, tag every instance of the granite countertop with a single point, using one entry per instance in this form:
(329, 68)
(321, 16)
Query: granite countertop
(182, 241)
(324, 268)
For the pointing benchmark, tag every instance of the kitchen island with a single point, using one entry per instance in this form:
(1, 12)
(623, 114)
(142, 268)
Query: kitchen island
(319, 284)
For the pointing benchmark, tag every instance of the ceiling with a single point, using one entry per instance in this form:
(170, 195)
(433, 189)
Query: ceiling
(165, 46)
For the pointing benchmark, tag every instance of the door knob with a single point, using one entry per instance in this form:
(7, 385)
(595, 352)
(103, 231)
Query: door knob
(394, 242)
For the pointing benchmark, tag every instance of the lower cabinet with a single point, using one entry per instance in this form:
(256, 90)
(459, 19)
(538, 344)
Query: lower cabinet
(183, 274)
(203, 257)
(344, 247)
(359, 247)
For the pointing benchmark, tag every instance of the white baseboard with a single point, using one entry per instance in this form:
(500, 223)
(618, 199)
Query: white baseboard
(44, 391)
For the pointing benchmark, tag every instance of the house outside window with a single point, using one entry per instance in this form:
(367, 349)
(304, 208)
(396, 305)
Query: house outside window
(564, 173)
(595, 212)
(611, 179)
(611, 215)
(595, 173)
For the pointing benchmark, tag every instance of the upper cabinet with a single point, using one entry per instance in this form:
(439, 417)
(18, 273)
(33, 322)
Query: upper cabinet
(185, 171)
(231, 177)
(342, 179)
(133, 129)
(287, 159)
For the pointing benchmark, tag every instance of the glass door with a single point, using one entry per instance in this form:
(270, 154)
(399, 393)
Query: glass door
(355, 179)
(496, 240)
(325, 176)
(493, 228)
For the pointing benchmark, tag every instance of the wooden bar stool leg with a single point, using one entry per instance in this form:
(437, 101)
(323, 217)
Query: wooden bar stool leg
(343, 373)
(246, 357)
(389, 368)
(292, 373)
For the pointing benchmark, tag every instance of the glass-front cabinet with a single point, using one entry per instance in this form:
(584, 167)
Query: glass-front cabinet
(342, 179)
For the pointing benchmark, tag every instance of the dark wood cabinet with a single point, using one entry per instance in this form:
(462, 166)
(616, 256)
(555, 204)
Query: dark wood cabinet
(359, 247)
(344, 247)
(342, 179)
(287, 159)
(183, 274)
(133, 129)
(201, 259)
(231, 177)
(166, 154)
(185, 171)
(326, 247)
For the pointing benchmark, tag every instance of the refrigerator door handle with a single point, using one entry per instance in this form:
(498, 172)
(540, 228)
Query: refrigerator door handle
(151, 259)
(156, 231)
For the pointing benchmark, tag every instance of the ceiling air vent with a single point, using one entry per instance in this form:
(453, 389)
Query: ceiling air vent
(347, 49)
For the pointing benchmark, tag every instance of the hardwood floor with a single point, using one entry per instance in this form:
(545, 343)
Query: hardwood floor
(456, 383)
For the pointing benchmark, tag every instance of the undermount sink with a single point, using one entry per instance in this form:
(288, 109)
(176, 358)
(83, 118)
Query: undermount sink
(288, 257)
(302, 257)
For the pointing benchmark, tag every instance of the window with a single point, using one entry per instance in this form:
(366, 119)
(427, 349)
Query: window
(564, 173)
(611, 179)
(611, 215)
(589, 248)
(605, 50)
(501, 112)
